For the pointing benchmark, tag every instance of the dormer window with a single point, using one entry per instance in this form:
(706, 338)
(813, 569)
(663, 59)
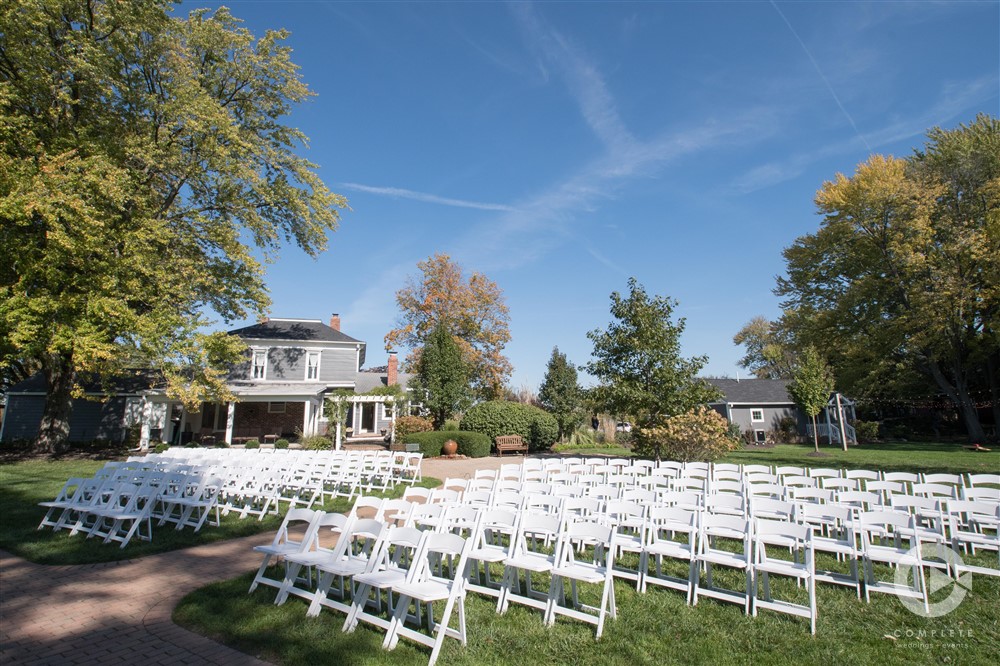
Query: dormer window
(259, 365)
(312, 365)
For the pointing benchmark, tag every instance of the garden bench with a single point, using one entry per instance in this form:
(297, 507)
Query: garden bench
(512, 443)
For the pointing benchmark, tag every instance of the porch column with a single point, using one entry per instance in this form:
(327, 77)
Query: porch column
(147, 414)
(230, 420)
(307, 430)
(180, 427)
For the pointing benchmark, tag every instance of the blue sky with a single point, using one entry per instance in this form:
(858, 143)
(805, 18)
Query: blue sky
(560, 148)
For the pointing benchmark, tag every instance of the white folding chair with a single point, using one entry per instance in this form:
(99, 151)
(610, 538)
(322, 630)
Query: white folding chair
(286, 542)
(672, 533)
(834, 534)
(492, 543)
(975, 525)
(890, 538)
(425, 585)
(781, 535)
(335, 523)
(355, 553)
(593, 567)
(737, 532)
(532, 554)
(388, 566)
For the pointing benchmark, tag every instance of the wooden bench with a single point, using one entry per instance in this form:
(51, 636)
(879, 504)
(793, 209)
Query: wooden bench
(512, 443)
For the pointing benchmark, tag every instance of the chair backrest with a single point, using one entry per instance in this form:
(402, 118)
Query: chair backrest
(671, 519)
(683, 499)
(727, 527)
(982, 494)
(417, 494)
(298, 520)
(946, 479)
(978, 480)
(862, 474)
(366, 506)
(810, 495)
(597, 535)
(935, 490)
(766, 507)
(726, 503)
(795, 481)
(825, 472)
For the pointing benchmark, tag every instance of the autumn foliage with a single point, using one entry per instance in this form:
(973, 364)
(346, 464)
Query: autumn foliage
(700, 434)
(472, 309)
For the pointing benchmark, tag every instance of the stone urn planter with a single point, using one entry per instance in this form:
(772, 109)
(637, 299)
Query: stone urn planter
(449, 448)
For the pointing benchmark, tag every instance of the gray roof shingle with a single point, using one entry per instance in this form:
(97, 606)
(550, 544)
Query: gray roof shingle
(292, 329)
(753, 391)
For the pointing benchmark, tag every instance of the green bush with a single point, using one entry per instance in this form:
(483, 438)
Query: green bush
(536, 426)
(407, 425)
(472, 444)
(867, 431)
(281, 444)
(160, 447)
(316, 443)
(451, 424)
(252, 444)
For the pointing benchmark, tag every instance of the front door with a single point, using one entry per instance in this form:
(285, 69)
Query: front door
(368, 417)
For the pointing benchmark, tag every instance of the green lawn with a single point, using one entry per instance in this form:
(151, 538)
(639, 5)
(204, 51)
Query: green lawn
(889, 456)
(652, 628)
(24, 484)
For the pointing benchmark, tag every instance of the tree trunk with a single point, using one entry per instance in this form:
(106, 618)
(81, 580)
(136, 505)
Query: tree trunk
(815, 434)
(53, 433)
(958, 393)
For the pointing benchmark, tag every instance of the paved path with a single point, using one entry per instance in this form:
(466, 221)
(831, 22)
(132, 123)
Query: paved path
(119, 613)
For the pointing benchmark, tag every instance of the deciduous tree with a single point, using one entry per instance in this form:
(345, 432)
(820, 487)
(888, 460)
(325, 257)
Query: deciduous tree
(638, 361)
(811, 385)
(472, 310)
(768, 354)
(560, 393)
(903, 277)
(142, 161)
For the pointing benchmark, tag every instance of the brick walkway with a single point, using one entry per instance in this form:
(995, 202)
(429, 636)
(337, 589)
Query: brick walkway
(119, 612)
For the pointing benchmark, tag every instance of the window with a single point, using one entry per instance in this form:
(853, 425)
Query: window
(387, 411)
(275, 408)
(756, 414)
(760, 436)
(312, 365)
(259, 364)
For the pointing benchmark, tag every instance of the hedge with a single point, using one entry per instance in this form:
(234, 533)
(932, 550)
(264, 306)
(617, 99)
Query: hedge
(472, 444)
(536, 426)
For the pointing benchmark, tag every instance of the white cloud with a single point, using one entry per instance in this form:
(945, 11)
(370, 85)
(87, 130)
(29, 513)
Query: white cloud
(400, 193)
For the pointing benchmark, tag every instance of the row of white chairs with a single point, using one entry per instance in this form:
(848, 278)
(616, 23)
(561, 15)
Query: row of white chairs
(190, 487)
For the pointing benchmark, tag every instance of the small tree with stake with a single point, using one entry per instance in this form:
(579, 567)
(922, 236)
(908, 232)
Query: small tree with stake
(811, 384)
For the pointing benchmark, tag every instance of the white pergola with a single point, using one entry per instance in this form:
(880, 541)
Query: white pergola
(354, 401)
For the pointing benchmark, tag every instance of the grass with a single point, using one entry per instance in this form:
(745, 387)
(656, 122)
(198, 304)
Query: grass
(652, 628)
(888, 456)
(25, 483)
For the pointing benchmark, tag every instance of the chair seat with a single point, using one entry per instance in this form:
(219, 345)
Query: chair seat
(588, 573)
(783, 568)
(834, 546)
(671, 549)
(428, 590)
(531, 562)
(489, 554)
(283, 549)
(725, 559)
(381, 579)
(892, 555)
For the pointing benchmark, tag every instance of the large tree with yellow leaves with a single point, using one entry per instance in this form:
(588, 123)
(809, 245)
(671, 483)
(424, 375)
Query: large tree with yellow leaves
(144, 169)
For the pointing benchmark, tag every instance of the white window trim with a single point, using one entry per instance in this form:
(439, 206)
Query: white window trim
(386, 411)
(272, 410)
(253, 364)
(756, 411)
(318, 356)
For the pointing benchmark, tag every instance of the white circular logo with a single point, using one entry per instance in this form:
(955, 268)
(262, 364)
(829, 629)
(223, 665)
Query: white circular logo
(936, 581)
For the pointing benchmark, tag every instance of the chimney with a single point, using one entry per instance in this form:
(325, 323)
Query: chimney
(335, 321)
(392, 370)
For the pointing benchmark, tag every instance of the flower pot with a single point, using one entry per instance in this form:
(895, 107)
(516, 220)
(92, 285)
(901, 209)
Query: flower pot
(449, 448)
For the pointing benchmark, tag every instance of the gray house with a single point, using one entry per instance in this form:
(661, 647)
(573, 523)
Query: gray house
(281, 387)
(759, 406)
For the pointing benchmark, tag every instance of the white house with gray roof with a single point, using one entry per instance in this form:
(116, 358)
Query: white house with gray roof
(291, 367)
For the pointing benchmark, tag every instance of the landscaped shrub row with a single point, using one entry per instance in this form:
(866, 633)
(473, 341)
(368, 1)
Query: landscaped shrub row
(472, 444)
(536, 426)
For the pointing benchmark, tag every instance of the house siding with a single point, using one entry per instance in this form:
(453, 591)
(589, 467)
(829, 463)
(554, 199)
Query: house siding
(286, 364)
(24, 415)
(337, 365)
(740, 414)
(90, 420)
